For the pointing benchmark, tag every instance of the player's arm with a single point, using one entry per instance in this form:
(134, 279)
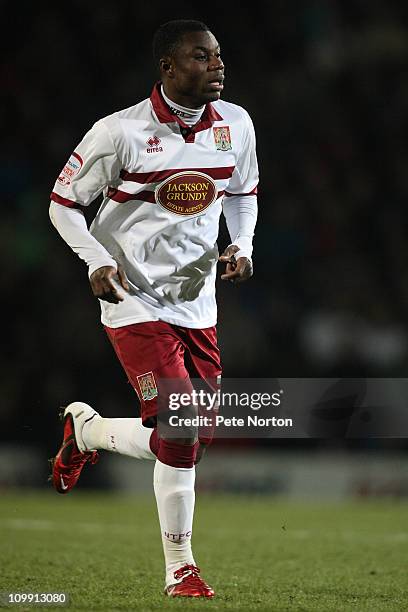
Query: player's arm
(240, 209)
(240, 213)
(92, 166)
(104, 272)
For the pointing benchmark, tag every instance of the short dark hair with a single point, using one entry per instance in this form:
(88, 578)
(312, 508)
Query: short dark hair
(169, 35)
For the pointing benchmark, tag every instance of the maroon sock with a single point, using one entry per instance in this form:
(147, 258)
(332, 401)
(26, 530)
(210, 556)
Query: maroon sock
(177, 455)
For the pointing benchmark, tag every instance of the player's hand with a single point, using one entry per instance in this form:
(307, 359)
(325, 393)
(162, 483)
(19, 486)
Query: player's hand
(237, 271)
(104, 282)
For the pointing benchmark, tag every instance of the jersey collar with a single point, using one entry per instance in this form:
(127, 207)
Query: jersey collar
(165, 115)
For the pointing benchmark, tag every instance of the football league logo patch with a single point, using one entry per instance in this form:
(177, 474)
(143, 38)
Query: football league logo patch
(70, 170)
(147, 386)
(222, 138)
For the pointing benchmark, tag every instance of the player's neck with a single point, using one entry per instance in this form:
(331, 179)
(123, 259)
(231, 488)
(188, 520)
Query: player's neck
(189, 116)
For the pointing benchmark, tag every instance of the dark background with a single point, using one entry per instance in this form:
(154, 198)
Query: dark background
(326, 85)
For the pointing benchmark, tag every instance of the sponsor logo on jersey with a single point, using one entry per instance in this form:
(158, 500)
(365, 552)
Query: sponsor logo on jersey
(222, 138)
(186, 193)
(71, 168)
(147, 386)
(153, 143)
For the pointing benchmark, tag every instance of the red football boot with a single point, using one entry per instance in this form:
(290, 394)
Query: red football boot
(192, 585)
(70, 460)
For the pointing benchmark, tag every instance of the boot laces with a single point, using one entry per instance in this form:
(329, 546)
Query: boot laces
(79, 459)
(192, 574)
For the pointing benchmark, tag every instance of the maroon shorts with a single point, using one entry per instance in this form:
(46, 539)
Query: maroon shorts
(157, 350)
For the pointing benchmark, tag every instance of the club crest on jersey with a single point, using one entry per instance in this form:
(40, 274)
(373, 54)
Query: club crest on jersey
(186, 193)
(147, 386)
(71, 168)
(222, 138)
(154, 142)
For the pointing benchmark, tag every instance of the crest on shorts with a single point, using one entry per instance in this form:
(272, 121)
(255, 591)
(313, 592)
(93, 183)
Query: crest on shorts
(147, 386)
(222, 138)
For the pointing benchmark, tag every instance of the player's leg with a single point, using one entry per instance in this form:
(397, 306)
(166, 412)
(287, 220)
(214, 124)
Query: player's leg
(85, 431)
(124, 436)
(174, 479)
(176, 464)
(174, 473)
(136, 349)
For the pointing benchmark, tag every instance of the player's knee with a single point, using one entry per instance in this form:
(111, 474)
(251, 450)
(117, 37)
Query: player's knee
(179, 426)
(181, 452)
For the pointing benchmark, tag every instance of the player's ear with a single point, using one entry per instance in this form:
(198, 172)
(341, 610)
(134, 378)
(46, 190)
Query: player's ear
(166, 66)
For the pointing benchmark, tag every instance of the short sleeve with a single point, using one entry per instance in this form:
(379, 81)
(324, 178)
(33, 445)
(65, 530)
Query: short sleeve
(92, 166)
(245, 177)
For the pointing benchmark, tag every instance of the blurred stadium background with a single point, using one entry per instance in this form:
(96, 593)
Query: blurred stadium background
(325, 82)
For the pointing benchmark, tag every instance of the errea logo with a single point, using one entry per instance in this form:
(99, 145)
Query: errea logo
(153, 143)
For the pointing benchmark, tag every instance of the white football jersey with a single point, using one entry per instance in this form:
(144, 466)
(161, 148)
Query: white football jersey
(163, 185)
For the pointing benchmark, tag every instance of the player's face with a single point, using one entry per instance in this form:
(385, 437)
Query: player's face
(195, 73)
